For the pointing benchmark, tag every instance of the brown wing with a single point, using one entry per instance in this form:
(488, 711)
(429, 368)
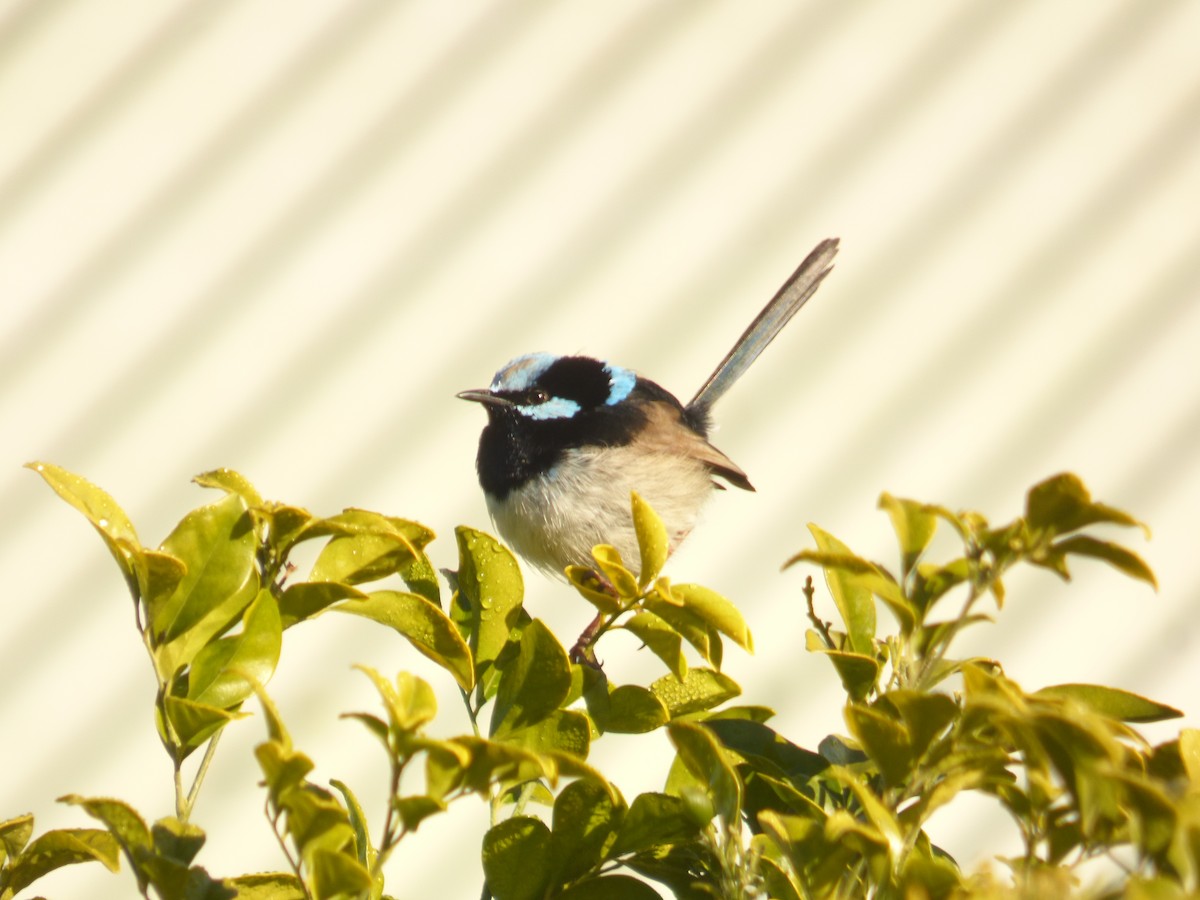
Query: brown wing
(668, 433)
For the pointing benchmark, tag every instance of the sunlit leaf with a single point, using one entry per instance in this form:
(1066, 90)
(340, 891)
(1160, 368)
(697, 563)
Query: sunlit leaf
(218, 546)
(14, 835)
(487, 604)
(626, 709)
(653, 542)
(701, 689)
(122, 822)
(859, 673)
(101, 510)
(218, 673)
(305, 599)
(914, 525)
(423, 625)
(267, 886)
(609, 561)
(1112, 702)
(660, 638)
(410, 703)
(717, 611)
(337, 874)
(1114, 554)
(561, 731)
(232, 483)
(62, 847)
(594, 589)
(1062, 503)
(854, 603)
(194, 723)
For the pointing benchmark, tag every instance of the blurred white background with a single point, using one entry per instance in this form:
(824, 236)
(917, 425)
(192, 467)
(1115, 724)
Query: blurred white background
(279, 236)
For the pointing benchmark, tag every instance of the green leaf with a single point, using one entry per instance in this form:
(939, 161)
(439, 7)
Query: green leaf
(14, 835)
(337, 874)
(661, 639)
(585, 822)
(594, 589)
(410, 705)
(194, 723)
(706, 761)
(306, 599)
(102, 511)
(416, 809)
(858, 673)
(486, 607)
(627, 709)
(914, 525)
(62, 847)
(219, 672)
(854, 603)
(609, 561)
(766, 750)
(363, 557)
(176, 841)
(474, 764)
(1062, 504)
(218, 547)
(718, 612)
(662, 603)
(517, 859)
(423, 625)
(1114, 554)
(123, 823)
(610, 887)
(231, 482)
(653, 542)
(532, 684)
(653, 820)
(925, 715)
(1114, 703)
(267, 886)
(881, 818)
(884, 739)
(358, 821)
(562, 731)
(702, 689)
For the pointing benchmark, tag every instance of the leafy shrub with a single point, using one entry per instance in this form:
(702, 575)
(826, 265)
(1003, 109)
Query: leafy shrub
(743, 813)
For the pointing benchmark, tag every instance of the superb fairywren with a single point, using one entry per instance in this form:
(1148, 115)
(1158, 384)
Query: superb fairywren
(569, 438)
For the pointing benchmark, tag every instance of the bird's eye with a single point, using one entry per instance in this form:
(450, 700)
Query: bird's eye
(538, 396)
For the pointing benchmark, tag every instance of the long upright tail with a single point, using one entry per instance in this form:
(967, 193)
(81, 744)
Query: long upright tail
(786, 303)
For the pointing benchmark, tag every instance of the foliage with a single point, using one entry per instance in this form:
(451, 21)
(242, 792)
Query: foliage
(743, 812)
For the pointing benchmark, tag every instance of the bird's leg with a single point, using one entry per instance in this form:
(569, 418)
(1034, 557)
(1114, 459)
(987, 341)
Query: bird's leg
(582, 652)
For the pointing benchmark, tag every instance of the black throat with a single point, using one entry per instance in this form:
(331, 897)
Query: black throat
(514, 449)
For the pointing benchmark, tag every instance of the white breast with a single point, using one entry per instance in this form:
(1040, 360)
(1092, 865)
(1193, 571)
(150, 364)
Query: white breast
(555, 520)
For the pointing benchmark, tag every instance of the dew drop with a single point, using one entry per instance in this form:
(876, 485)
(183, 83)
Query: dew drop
(103, 523)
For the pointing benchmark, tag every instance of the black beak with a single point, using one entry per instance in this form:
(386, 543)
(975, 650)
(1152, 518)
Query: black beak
(486, 397)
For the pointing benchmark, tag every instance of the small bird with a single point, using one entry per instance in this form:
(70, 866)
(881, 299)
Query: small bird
(569, 438)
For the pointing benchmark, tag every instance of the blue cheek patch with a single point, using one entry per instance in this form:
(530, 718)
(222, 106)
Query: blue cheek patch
(621, 381)
(554, 408)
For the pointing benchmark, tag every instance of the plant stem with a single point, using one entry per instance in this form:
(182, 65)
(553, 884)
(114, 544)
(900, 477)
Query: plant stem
(209, 752)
